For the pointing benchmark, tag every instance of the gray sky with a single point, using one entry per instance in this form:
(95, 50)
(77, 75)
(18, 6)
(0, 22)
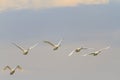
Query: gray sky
(81, 23)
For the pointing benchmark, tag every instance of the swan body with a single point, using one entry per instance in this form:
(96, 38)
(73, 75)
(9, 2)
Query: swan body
(25, 51)
(97, 52)
(55, 46)
(12, 71)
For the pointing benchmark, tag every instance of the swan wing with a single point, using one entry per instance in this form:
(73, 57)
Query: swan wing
(18, 47)
(19, 67)
(104, 48)
(49, 43)
(7, 67)
(85, 54)
(59, 43)
(33, 46)
(71, 53)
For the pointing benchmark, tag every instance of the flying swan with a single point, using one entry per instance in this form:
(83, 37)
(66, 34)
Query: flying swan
(25, 51)
(12, 71)
(97, 52)
(55, 46)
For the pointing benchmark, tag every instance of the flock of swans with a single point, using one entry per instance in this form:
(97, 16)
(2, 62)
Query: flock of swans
(55, 47)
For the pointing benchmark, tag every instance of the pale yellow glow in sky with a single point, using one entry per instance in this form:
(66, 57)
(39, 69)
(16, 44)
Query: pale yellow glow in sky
(37, 4)
(76, 2)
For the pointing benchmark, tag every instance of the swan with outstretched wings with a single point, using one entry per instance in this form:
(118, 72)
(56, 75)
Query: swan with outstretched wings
(55, 46)
(25, 51)
(97, 52)
(12, 71)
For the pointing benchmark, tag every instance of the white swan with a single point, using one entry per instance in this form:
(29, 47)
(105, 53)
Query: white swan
(25, 51)
(12, 71)
(97, 52)
(78, 50)
(55, 46)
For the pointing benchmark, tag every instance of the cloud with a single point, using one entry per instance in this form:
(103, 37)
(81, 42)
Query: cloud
(37, 4)
(13, 4)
